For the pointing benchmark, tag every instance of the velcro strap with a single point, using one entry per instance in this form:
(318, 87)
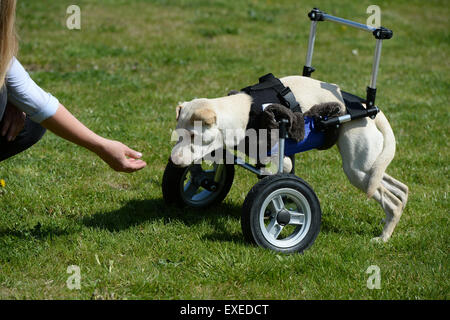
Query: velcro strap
(290, 100)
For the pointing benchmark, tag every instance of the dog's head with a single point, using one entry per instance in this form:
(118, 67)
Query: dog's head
(197, 131)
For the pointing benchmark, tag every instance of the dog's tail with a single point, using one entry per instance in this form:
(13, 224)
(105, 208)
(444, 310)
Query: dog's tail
(385, 157)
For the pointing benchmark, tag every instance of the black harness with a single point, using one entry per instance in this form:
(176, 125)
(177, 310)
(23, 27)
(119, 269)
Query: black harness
(269, 90)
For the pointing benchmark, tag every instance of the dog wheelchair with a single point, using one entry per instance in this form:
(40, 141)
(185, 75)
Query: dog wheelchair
(281, 212)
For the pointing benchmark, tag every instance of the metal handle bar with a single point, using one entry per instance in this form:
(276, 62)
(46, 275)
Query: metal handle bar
(357, 25)
(380, 34)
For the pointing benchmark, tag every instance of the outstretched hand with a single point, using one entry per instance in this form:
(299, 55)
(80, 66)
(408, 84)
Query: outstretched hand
(120, 157)
(117, 155)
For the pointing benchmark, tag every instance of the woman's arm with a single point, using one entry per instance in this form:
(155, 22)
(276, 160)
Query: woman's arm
(42, 107)
(117, 155)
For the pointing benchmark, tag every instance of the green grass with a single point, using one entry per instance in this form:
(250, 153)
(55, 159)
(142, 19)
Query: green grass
(123, 74)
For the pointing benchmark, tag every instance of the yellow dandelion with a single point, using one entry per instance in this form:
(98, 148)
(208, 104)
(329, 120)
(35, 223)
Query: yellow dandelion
(2, 183)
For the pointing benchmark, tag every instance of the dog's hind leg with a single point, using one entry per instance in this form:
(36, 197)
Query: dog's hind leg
(396, 187)
(366, 150)
(393, 207)
(391, 204)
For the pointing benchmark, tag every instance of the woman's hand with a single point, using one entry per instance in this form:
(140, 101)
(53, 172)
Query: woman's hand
(120, 157)
(117, 155)
(13, 122)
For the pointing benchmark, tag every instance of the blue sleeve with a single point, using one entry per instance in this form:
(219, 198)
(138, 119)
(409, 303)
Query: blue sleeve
(26, 95)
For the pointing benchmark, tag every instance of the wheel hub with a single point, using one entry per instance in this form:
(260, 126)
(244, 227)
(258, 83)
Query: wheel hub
(283, 217)
(202, 178)
(208, 184)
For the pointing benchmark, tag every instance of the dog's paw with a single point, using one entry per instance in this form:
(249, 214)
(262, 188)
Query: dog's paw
(271, 165)
(287, 165)
(379, 239)
(376, 240)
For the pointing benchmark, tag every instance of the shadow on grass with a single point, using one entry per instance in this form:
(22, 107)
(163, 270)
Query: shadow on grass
(364, 225)
(137, 212)
(39, 232)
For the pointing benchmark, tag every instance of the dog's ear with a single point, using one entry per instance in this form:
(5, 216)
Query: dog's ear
(205, 115)
(178, 110)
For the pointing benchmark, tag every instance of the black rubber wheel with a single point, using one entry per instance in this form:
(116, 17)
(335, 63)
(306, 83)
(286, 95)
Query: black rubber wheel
(194, 186)
(282, 213)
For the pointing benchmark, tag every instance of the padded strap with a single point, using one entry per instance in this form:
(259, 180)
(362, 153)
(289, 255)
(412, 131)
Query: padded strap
(354, 105)
(290, 100)
(285, 95)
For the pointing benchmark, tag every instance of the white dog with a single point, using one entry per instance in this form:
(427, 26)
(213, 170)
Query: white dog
(366, 146)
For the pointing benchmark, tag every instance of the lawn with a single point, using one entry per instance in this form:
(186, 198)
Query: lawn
(123, 74)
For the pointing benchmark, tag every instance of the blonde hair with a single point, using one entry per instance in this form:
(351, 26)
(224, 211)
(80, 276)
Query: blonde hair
(8, 37)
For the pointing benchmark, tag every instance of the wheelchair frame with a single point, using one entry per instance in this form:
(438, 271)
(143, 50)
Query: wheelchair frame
(371, 110)
(279, 187)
